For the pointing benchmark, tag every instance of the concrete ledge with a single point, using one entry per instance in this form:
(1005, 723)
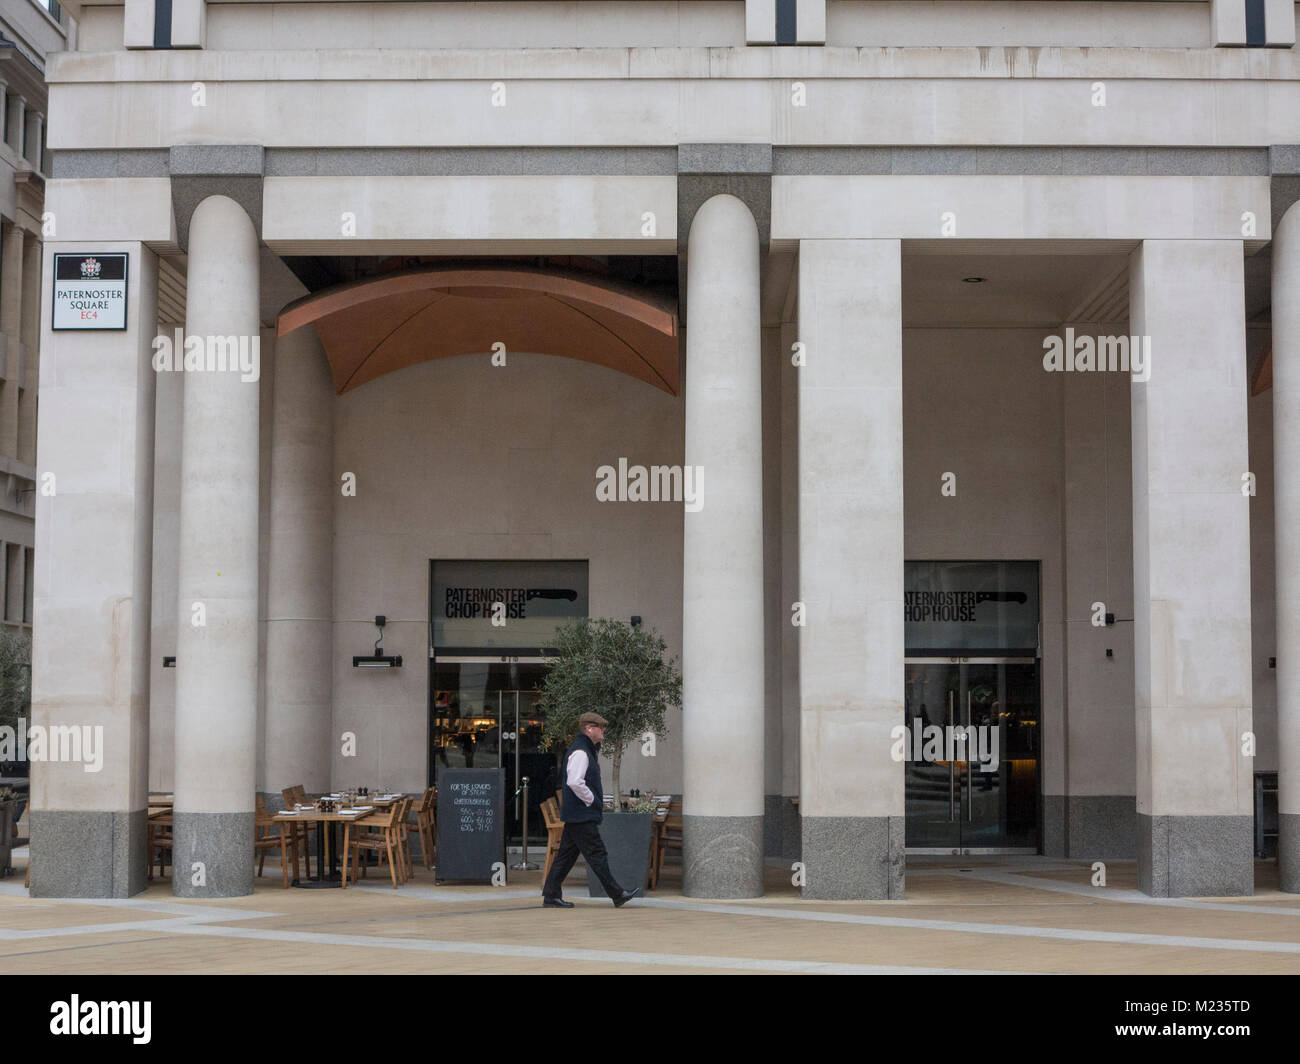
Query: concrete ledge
(978, 63)
(88, 854)
(139, 162)
(722, 856)
(223, 844)
(724, 159)
(1061, 162)
(1196, 856)
(853, 857)
(435, 162)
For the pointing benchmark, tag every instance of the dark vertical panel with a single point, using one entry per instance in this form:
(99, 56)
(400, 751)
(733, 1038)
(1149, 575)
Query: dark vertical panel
(785, 18)
(162, 23)
(1255, 23)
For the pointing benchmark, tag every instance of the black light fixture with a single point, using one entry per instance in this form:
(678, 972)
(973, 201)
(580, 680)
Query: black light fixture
(377, 660)
(636, 621)
(972, 280)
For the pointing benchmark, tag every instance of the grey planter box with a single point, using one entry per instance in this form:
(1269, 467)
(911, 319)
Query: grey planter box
(627, 838)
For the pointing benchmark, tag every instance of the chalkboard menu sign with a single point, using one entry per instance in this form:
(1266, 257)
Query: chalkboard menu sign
(471, 823)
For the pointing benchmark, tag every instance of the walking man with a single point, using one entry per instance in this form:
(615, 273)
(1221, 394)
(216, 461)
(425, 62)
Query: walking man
(581, 810)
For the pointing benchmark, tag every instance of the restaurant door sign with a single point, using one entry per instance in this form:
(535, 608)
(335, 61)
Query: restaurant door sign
(90, 290)
(971, 607)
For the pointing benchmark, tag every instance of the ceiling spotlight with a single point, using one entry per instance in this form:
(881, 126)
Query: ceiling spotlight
(972, 280)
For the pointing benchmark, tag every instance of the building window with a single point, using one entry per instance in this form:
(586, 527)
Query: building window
(29, 583)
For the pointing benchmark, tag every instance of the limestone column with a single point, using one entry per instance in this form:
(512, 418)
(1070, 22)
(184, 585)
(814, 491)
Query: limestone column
(722, 565)
(1191, 571)
(851, 567)
(300, 571)
(90, 669)
(16, 126)
(1286, 526)
(216, 643)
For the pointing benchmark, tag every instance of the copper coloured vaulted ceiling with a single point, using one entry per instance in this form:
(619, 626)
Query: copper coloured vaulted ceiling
(374, 327)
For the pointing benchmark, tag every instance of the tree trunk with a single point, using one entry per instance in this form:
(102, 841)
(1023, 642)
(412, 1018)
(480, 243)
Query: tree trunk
(617, 758)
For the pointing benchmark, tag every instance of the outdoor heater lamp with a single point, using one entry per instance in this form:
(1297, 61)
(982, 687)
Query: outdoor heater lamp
(377, 660)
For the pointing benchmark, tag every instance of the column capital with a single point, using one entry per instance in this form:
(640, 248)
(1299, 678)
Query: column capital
(708, 170)
(1284, 171)
(202, 170)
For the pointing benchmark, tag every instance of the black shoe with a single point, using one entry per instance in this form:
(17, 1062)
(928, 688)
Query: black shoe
(556, 903)
(626, 897)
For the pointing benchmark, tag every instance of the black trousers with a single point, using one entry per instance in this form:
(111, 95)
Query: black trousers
(583, 838)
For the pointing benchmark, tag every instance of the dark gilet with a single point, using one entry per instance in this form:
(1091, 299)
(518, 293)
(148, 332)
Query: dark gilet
(572, 811)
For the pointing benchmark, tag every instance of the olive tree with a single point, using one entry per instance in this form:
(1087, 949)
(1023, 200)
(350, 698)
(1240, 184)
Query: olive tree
(608, 667)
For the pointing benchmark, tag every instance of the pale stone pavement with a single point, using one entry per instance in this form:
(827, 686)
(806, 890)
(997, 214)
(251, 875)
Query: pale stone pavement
(974, 914)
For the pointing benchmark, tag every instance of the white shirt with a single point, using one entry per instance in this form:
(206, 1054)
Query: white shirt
(576, 776)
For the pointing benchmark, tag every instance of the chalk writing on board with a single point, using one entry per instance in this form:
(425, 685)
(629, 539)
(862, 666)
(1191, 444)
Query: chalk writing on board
(471, 823)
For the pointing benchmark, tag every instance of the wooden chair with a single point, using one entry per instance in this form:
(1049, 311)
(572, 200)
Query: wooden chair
(669, 838)
(387, 831)
(421, 824)
(159, 841)
(268, 835)
(404, 838)
(554, 829)
(301, 832)
(661, 820)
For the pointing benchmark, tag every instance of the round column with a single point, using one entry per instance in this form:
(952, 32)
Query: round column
(300, 569)
(722, 564)
(17, 112)
(1286, 525)
(216, 640)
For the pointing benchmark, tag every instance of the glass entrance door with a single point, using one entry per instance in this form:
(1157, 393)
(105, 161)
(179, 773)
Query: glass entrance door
(521, 721)
(970, 742)
(486, 714)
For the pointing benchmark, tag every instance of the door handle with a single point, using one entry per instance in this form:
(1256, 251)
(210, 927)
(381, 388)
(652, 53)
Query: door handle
(952, 767)
(970, 787)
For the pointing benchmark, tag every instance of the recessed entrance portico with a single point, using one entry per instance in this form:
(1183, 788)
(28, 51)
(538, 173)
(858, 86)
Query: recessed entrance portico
(823, 477)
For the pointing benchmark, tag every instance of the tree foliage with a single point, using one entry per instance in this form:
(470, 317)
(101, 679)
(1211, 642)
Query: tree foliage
(608, 667)
(15, 677)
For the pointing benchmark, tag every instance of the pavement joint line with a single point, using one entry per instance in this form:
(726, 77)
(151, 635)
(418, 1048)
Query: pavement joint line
(190, 908)
(8, 934)
(559, 953)
(410, 916)
(444, 894)
(1127, 897)
(182, 915)
(84, 945)
(1072, 934)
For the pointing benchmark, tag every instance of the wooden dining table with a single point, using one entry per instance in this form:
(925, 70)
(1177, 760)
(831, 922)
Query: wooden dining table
(328, 876)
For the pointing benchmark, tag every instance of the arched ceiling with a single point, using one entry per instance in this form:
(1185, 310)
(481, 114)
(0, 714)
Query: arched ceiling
(369, 328)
